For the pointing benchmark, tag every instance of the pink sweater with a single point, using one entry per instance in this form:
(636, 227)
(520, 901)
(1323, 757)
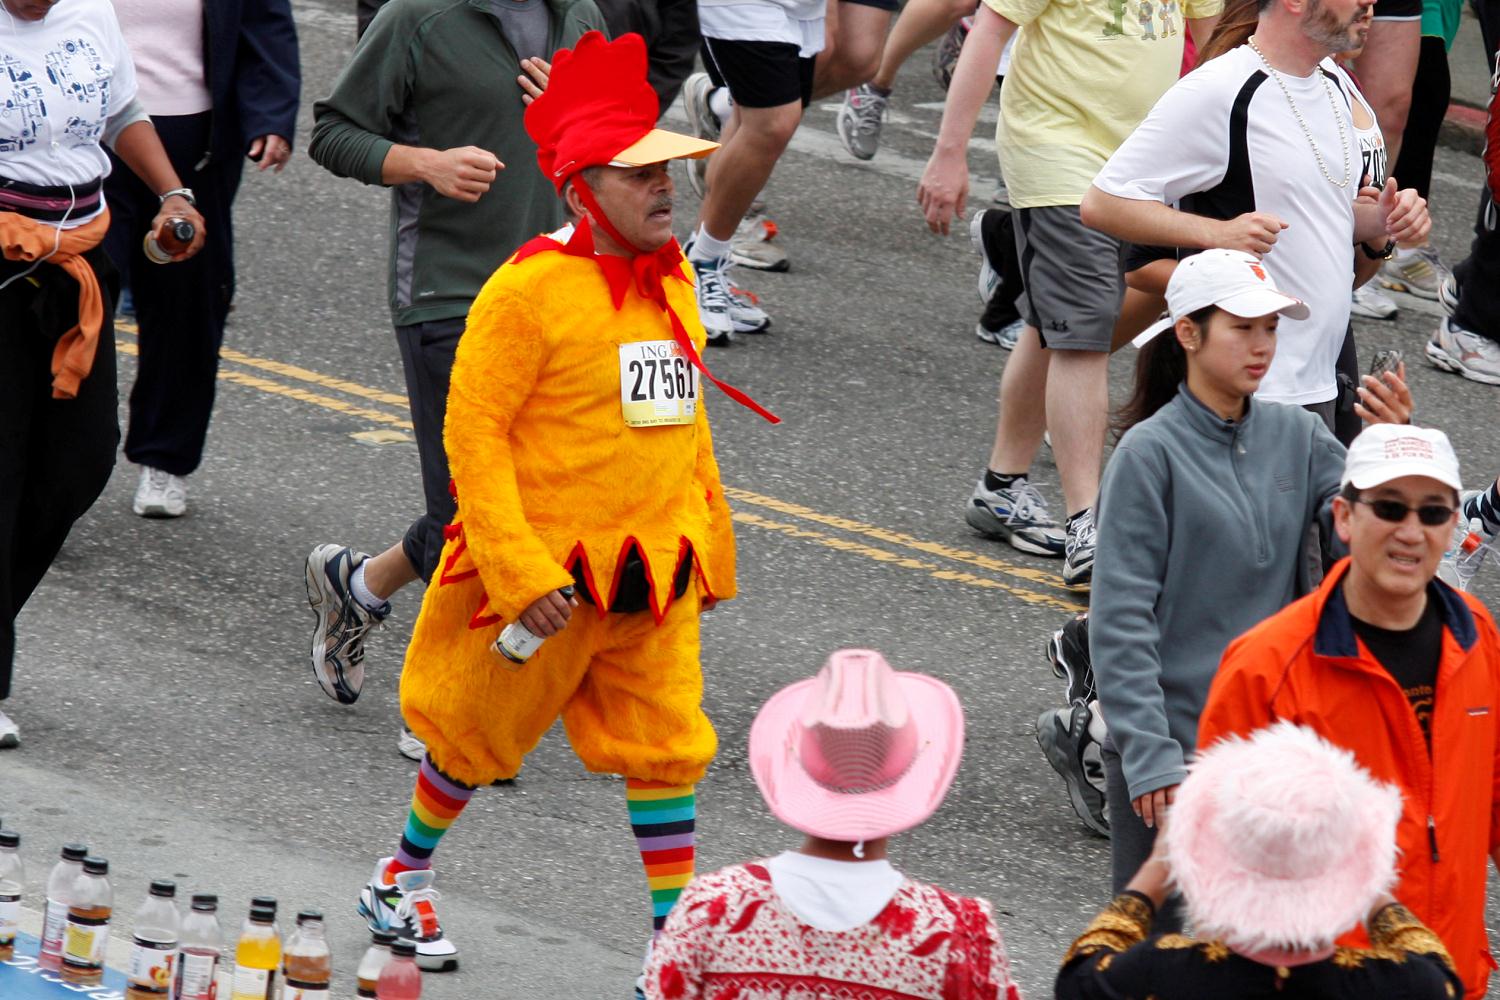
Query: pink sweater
(166, 42)
(730, 937)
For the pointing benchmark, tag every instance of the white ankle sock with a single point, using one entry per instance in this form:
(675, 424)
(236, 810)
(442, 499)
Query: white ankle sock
(706, 247)
(361, 591)
(720, 104)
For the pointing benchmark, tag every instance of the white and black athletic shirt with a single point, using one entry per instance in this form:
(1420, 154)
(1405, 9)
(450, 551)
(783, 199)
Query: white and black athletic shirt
(1224, 141)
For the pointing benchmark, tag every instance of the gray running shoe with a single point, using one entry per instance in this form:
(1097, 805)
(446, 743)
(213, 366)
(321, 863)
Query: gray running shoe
(861, 117)
(1417, 272)
(1070, 738)
(10, 733)
(1454, 349)
(945, 56)
(1467, 550)
(1078, 564)
(338, 639)
(752, 247)
(1018, 515)
(702, 122)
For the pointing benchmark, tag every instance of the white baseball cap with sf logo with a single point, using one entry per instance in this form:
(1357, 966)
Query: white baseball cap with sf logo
(1235, 281)
(1383, 452)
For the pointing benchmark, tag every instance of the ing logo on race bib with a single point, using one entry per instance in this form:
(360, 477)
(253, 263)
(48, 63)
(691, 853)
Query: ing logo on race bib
(658, 384)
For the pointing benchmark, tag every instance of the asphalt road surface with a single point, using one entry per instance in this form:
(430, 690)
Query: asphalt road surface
(172, 722)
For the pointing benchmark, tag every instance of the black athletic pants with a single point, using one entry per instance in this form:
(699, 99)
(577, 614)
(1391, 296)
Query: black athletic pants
(427, 351)
(180, 308)
(55, 454)
(1429, 103)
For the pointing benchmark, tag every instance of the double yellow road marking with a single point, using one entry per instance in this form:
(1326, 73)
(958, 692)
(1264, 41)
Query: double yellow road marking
(899, 549)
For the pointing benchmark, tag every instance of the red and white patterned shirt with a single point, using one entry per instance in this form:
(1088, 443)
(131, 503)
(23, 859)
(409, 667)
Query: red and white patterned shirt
(730, 937)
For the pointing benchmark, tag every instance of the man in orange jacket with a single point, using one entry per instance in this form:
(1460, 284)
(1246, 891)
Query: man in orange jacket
(1401, 669)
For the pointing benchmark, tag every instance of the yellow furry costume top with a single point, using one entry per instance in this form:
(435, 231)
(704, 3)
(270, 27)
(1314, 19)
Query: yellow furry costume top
(547, 471)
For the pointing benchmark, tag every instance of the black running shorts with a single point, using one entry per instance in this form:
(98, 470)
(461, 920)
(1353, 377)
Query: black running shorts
(1398, 10)
(890, 5)
(759, 74)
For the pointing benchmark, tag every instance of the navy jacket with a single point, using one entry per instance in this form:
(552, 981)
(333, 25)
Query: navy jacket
(254, 77)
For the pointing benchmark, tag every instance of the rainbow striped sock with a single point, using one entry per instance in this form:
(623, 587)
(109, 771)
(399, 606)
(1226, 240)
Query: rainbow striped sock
(435, 804)
(663, 818)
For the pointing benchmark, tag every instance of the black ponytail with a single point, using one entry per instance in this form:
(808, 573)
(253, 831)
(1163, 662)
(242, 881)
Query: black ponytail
(1159, 370)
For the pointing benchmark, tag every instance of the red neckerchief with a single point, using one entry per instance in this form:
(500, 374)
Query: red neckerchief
(647, 272)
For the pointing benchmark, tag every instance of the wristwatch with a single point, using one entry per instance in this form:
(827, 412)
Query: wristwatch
(187, 193)
(1384, 253)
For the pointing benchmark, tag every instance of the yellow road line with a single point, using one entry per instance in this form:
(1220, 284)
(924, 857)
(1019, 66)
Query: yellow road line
(906, 562)
(897, 538)
(292, 392)
(292, 371)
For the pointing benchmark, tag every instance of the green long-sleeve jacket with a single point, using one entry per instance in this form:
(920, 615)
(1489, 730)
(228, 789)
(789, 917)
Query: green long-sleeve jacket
(440, 74)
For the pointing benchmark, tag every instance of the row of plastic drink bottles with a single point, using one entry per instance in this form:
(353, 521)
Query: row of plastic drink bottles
(181, 958)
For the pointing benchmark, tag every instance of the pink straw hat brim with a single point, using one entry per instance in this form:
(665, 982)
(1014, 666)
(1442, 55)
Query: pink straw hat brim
(803, 804)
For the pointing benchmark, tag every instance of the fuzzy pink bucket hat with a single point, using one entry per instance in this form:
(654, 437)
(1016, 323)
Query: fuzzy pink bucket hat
(1281, 841)
(858, 752)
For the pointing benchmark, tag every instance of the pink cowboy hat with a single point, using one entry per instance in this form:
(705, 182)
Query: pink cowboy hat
(858, 752)
(1281, 841)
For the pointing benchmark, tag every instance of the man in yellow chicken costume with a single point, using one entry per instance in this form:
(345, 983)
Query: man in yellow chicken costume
(584, 471)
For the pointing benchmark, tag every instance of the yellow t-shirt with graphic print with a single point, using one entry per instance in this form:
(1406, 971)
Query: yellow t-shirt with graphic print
(1082, 76)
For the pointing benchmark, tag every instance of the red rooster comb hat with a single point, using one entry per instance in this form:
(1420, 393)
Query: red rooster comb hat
(598, 110)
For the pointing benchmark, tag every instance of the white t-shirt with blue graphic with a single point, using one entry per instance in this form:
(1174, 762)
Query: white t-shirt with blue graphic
(61, 78)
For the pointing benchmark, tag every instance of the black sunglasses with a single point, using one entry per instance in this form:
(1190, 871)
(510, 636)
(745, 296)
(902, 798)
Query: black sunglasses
(1431, 515)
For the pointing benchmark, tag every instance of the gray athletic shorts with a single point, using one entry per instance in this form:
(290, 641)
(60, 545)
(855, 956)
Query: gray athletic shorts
(1073, 278)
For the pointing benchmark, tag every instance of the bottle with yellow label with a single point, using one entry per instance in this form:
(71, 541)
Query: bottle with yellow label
(257, 957)
(87, 931)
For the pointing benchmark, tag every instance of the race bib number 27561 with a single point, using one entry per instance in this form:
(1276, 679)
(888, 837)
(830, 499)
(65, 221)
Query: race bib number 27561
(658, 384)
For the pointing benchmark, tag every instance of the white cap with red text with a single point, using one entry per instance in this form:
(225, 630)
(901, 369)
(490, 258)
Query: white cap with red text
(1233, 280)
(1383, 452)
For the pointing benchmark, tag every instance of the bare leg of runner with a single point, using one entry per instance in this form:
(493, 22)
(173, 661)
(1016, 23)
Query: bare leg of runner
(854, 36)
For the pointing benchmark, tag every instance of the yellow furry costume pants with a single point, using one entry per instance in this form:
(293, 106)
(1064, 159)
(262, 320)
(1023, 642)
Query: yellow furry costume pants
(629, 692)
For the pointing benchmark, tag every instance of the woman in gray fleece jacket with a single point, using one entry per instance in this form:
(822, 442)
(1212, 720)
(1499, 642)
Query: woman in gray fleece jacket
(1204, 513)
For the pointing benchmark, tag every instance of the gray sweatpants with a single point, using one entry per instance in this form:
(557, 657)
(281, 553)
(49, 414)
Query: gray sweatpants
(1131, 840)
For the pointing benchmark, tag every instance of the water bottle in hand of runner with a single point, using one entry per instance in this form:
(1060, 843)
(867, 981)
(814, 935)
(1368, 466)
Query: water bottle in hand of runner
(174, 237)
(517, 642)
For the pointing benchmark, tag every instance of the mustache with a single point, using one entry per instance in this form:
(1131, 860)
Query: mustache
(664, 202)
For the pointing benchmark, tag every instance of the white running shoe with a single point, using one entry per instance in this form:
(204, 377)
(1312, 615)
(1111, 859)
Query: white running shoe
(1448, 294)
(715, 300)
(1418, 272)
(861, 117)
(1078, 561)
(1454, 349)
(989, 278)
(338, 639)
(1004, 338)
(1371, 303)
(407, 908)
(702, 122)
(160, 494)
(409, 746)
(10, 733)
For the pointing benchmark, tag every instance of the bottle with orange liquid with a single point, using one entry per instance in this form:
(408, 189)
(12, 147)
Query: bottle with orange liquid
(87, 931)
(257, 957)
(307, 965)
